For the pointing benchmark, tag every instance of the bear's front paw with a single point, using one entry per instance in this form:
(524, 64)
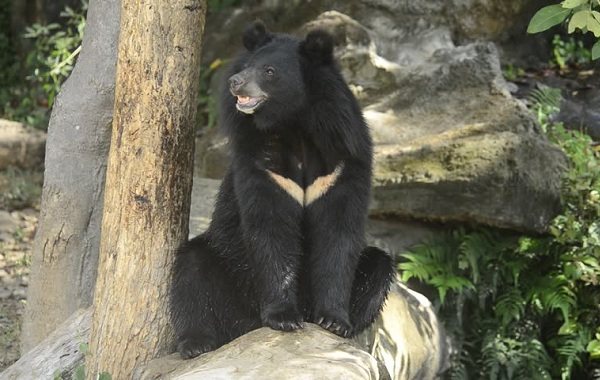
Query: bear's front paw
(192, 346)
(287, 319)
(337, 324)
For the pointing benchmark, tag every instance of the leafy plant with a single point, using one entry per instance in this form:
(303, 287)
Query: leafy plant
(47, 65)
(582, 15)
(545, 102)
(512, 72)
(55, 49)
(207, 101)
(524, 307)
(569, 52)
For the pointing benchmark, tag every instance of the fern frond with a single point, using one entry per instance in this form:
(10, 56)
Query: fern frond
(570, 349)
(554, 293)
(510, 306)
(546, 97)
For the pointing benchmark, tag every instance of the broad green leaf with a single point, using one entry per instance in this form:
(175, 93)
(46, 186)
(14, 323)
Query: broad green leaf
(547, 17)
(596, 50)
(593, 23)
(579, 20)
(573, 3)
(593, 348)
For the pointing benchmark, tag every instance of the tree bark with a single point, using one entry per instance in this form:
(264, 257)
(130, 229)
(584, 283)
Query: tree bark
(148, 182)
(65, 250)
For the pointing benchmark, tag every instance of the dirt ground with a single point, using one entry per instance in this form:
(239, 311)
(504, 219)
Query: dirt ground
(17, 229)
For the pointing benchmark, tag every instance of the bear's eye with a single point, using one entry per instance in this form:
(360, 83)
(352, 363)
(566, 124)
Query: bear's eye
(269, 71)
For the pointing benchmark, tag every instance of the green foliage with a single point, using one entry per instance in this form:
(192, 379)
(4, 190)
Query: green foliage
(582, 15)
(524, 307)
(545, 102)
(547, 17)
(569, 52)
(55, 49)
(207, 101)
(50, 61)
(512, 72)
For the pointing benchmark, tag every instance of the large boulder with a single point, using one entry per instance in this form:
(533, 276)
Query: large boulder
(453, 145)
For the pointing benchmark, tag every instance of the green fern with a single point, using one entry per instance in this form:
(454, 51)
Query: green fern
(546, 97)
(509, 358)
(435, 264)
(553, 293)
(510, 306)
(570, 348)
(545, 102)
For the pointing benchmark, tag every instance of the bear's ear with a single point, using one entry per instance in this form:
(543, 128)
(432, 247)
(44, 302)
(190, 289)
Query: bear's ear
(318, 47)
(256, 35)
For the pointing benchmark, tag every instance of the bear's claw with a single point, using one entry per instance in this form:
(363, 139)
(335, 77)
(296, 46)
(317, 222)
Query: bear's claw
(285, 320)
(194, 346)
(338, 326)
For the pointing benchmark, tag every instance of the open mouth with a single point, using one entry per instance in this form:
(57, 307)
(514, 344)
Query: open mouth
(248, 104)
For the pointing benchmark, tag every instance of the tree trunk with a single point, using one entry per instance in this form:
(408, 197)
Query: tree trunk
(148, 182)
(65, 250)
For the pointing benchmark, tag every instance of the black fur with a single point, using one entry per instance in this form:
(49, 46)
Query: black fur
(267, 259)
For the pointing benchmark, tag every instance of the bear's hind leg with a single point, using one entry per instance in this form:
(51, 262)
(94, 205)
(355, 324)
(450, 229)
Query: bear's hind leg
(204, 311)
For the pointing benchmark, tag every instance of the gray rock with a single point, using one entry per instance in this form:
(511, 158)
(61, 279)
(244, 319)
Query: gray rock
(20, 293)
(453, 145)
(8, 225)
(5, 293)
(582, 112)
(211, 156)
(397, 236)
(368, 74)
(311, 353)
(204, 193)
(21, 146)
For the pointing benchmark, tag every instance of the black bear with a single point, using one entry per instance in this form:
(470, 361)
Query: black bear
(287, 239)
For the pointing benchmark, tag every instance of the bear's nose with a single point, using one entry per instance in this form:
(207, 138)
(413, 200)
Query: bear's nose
(235, 82)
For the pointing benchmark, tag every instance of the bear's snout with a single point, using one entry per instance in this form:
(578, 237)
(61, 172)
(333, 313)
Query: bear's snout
(236, 82)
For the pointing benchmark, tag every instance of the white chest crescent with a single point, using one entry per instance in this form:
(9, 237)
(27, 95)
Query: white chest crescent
(317, 189)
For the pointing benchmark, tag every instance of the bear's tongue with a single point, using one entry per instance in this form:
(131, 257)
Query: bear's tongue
(245, 99)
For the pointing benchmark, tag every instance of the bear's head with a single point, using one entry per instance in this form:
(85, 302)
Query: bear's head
(270, 81)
